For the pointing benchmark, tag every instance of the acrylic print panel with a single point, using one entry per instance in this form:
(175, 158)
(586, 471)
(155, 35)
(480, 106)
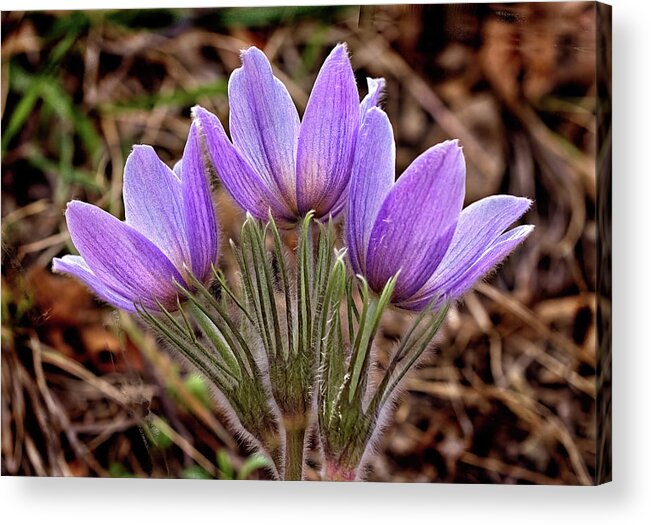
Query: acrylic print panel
(322, 243)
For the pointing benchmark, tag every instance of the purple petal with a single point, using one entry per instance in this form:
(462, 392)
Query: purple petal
(153, 203)
(375, 89)
(244, 184)
(327, 136)
(504, 245)
(457, 285)
(75, 266)
(371, 180)
(121, 257)
(416, 223)
(177, 168)
(264, 122)
(199, 212)
(480, 226)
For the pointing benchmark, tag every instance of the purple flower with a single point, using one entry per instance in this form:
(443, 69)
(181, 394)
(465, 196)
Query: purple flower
(276, 161)
(169, 231)
(416, 225)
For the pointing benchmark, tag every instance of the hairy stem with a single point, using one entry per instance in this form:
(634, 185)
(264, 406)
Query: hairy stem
(294, 446)
(332, 471)
(271, 445)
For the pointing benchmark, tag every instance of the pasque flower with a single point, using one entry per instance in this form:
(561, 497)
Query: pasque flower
(170, 229)
(416, 225)
(277, 162)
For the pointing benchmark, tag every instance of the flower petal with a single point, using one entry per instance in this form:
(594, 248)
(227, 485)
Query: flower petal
(177, 168)
(264, 122)
(199, 212)
(244, 183)
(416, 223)
(75, 266)
(458, 284)
(327, 136)
(375, 89)
(504, 245)
(371, 180)
(480, 226)
(121, 257)
(153, 203)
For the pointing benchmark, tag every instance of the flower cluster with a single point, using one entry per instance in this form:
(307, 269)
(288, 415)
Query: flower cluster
(340, 156)
(409, 243)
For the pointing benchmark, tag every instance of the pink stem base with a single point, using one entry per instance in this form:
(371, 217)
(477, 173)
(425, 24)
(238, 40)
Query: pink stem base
(334, 472)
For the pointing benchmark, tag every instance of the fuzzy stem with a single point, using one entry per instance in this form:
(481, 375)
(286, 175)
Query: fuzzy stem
(332, 471)
(294, 447)
(270, 445)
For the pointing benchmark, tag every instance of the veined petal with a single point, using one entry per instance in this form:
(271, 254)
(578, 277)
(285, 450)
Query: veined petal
(327, 136)
(375, 89)
(264, 122)
(199, 212)
(453, 286)
(75, 266)
(480, 226)
(153, 203)
(371, 180)
(504, 245)
(417, 220)
(121, 257)
(243, 182)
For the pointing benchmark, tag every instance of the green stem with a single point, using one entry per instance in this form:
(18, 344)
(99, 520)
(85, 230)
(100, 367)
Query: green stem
(294, 446)
(271, 445)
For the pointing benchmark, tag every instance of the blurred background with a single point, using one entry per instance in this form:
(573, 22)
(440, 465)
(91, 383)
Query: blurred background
(509, 394)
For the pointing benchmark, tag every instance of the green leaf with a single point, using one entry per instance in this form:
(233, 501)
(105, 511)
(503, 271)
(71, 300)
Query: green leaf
(255, 462)
(303, 279)
(157, 435)
(217, 339)
(196, 385)
(195, 472)
(248, 279)
(332, 353)
(254, 236)
(176, 99)
(56, 97)
(321, 283)
(225, 288)
(34, 88)
(225, 466)
(272, 15)
(371, 316)
(280, 257)
(416, 350)
(117, 470)
(21, 112)
(72, 176)
(187, 348)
